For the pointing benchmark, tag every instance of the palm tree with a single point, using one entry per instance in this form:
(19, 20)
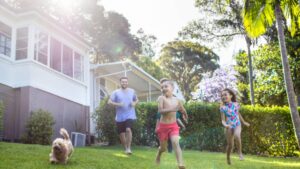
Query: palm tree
(258, 16)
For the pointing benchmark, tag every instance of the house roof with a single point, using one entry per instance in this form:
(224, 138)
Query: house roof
(39, 14)
(138, 78)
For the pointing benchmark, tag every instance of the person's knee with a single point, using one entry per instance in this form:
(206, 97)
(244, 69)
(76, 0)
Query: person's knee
(229, 146)
(175, 143)
(162, 148)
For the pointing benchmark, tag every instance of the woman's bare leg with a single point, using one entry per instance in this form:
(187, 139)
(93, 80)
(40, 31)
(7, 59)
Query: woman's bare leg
(162, 148)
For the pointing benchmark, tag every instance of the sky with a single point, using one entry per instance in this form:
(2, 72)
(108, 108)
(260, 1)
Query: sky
(164, 19)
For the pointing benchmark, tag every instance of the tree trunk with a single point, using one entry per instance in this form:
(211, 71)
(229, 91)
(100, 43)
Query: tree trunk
(287, 74)
(248, 41)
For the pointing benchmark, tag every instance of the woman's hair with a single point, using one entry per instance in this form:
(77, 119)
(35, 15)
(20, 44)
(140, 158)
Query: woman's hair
(233, 98)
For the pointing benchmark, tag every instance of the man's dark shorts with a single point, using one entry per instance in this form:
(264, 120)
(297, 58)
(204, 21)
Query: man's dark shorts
(121, 126)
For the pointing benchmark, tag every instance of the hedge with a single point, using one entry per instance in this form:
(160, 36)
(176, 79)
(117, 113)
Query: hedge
(271, 131)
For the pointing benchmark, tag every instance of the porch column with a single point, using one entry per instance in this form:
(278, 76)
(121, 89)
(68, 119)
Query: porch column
(149, 93)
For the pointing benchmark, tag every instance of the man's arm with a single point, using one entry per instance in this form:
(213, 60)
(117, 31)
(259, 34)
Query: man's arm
(111, 100)
(161, 105)
(135, 101)
(114, 103)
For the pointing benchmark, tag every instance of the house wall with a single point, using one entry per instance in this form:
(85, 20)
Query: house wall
(34, 74)
(20, 102)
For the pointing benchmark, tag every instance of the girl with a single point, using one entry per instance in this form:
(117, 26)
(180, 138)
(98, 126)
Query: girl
(231, 120)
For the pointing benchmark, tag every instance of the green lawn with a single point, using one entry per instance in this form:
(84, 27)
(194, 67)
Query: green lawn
(14, 156)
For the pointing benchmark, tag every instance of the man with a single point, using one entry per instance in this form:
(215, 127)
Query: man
(125, 100)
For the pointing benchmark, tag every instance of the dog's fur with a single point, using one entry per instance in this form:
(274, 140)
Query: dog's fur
(62, 149)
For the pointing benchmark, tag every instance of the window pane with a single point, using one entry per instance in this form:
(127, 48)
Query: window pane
(67, 61)
(55, 54)
(78, 67)
(41, 47)
(22, 43)
(5, 39)
(21, 53)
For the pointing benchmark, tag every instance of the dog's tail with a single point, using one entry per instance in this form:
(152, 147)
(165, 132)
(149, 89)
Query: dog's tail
(64, 133)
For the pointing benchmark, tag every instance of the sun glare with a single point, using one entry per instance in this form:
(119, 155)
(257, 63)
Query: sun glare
(66, 5)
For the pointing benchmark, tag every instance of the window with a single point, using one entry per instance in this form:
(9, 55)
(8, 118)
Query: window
(102, 93)
(67, 61)
(22, 43)
(78, 66)
(5, 39)
(41, 47)
(55, 54)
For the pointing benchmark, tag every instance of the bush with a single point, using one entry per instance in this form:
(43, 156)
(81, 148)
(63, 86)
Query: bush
(105, 122)
(271, 131)
(39, 128)
(1, 119)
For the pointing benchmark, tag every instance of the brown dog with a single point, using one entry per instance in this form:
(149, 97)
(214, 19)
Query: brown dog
(61, 148)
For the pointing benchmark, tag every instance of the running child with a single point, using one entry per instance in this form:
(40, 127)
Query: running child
(179, 122)
(231, 120)
(168, 105)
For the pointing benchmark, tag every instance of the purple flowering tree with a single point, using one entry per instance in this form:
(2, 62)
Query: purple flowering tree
(210, 87)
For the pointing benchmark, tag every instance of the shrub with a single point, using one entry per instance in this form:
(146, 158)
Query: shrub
(271, 131)
(105, 122)
(39, 128)
(1, 119)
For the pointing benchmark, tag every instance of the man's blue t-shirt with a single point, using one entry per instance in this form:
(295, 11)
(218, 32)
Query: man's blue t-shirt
(126, 97)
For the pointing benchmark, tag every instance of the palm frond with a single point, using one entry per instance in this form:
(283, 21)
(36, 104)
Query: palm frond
(258, 16)
(291, 12)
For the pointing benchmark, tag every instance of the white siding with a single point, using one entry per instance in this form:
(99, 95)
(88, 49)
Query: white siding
(34, 74)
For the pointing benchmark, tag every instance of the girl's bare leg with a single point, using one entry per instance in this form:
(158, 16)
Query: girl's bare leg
(162, 148)
(177, 149)
(230, 142)
(237, 136)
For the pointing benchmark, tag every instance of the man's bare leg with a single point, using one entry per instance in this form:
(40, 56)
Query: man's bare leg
(128, 140)
(123, 140)
(177, 149)
(162, 148)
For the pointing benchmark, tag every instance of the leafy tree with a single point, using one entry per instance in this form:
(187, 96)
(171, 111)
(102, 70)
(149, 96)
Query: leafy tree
(258, 16)
(225, 23)
(109, 32)
(243, 80)
(269, 80)
(150, 67)
(185, 62)
(148, 43)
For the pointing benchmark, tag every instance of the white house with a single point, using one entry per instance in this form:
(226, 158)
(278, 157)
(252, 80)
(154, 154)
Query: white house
(45, 66)
(42, 66)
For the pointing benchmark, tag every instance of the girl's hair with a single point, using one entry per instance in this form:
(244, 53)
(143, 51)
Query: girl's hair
(233, 98)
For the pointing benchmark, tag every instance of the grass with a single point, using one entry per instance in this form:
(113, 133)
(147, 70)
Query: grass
(15, 156)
